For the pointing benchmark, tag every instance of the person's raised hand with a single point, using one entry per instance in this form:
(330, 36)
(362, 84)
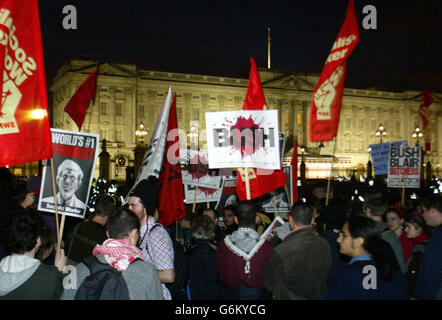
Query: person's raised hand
(60, 260)
(29, 199)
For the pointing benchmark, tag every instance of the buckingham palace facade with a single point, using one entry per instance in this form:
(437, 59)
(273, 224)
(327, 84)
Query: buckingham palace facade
(127, 96)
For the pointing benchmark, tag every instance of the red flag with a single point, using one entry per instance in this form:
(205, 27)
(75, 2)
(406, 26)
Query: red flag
(79, 103)
(261, 181)
(171, 196)
(294, 164)
(24, 120)
(425, 116)
(254, 99)
(327, 97)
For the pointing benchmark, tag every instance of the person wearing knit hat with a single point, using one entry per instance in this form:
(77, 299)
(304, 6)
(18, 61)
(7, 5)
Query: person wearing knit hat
(155, 242)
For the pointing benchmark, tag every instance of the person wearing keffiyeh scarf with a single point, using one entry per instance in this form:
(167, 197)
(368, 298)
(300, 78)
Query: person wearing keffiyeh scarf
(121, 253)
(118, 253)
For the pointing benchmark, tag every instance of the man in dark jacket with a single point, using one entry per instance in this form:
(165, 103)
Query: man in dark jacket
(301, 264)
(429, 282)
(375, 209)
(86, 235)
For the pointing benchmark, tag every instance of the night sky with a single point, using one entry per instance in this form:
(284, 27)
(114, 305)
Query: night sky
(219, 37)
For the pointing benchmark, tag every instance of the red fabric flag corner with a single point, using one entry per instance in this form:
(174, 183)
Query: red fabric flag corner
(254, 99)
(294, 164)
(425, 116)
(79, 103)
(327, 97)
(171, 197)
(261, 181)
(25, 134)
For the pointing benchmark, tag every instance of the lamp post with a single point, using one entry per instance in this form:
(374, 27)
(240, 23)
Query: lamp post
(369, 165)
(141, 132)
(302, 168)
(417, 133)
(381, 132)
(193, 136)
(140, 148)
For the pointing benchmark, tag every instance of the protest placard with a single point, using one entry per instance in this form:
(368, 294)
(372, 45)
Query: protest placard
(404, 165)
(228, 195)
(379, 155)
(270, 232)
(243, 139)
(281, 201)
(202, 194)
(74, 157)
(195, 170)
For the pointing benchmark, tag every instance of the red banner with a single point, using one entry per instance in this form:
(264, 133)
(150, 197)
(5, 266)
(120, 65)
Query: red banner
(24, 120)
(327, 97)
(79, 102)
(171, 196)
(424, 112)
(260, 181)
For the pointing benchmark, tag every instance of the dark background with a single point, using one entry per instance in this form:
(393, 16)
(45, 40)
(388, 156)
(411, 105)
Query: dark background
(219, 37)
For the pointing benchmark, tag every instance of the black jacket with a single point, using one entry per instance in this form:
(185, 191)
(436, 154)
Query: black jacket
(203, 278)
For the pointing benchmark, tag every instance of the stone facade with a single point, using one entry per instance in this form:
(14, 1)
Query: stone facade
(126, 96)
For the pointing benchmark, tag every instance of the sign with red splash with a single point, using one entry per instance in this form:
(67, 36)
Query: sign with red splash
(202, 194)
(195, 170)
(247, 139)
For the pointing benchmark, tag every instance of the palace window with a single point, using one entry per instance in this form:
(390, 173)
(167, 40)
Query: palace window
(103, 108)
(118, 108)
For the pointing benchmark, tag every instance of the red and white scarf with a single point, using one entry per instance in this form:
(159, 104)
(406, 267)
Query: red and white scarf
(118, 253)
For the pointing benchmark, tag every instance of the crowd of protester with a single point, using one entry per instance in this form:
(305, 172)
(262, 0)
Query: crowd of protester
(348, 249)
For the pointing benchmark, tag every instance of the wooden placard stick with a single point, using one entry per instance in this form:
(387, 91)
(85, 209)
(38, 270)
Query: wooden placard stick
(247, 183)
(55, 203)
(274, 206)
(403, 197)
(288, 195)
(194, 199)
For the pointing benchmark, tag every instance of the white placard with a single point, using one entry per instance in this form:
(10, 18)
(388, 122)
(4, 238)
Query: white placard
(203, 194)
(195, 170)
(404, 165)
(244, 139)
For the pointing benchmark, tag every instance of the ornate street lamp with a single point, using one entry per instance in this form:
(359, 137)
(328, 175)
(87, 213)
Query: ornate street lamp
(140, 148)
(193, 136)
(141, 131)
(417, 133)
(381, 132)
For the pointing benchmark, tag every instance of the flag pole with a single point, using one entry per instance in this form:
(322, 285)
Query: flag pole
(331, 170)
(56, 203)
(194, 199)
(268, 48)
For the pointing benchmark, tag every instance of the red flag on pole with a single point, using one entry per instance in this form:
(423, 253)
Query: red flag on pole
(171, 196)
(294, 164)
(24, 120)
(261, 181)
(424, 112)
(79, 103)
(327, 97)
